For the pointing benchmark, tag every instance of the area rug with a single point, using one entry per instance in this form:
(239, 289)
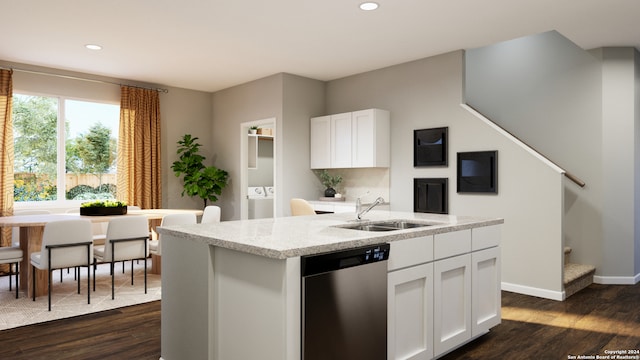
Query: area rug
(66, 302)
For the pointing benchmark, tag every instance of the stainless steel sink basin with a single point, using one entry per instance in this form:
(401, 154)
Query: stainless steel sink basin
(387, 225)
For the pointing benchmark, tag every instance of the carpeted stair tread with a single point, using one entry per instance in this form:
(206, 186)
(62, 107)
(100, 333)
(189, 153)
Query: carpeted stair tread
(573, 272)
(577, 277)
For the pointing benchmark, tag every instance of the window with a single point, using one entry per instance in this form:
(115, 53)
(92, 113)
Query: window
(74, 159)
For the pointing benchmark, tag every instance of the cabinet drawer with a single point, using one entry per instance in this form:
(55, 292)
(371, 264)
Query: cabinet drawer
(451, 244)
(485, 237)
(410, 252)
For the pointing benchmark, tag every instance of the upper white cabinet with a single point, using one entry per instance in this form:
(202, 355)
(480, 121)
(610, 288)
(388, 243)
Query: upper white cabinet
(320, 142)
(340, 141)
(351, 140)
(371, 138)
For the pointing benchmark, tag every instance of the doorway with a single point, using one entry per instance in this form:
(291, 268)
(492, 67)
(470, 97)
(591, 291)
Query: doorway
(258, 169)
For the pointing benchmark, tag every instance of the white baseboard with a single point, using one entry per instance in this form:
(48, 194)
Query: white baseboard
(527, 290)
(616, 280)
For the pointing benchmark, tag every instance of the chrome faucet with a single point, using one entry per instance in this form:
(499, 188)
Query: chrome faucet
(361, 212)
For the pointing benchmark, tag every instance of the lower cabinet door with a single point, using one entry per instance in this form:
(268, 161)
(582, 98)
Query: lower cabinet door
(410, 313)
(485, 290)
(452, 303)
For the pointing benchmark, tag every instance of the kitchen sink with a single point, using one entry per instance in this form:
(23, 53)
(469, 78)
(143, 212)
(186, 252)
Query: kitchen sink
(387, 225)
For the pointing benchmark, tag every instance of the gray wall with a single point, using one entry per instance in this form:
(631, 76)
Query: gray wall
(256, 100)
(303, 99)
(292, 100)
(579, 109)
(427, 93)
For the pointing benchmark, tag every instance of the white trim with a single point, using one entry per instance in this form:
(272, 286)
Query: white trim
(616, 280)
(527, 290)
(244, 132)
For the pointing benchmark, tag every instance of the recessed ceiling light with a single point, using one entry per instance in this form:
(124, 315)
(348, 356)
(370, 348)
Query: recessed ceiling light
(368, 6)
(93, 47)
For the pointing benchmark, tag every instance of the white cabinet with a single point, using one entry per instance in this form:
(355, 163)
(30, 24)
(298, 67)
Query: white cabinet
(341, 140)
(410, 313)
(354, 139)
(452, 303)
(443, 291)
(320, 142)
(485, 290)
(371, 138)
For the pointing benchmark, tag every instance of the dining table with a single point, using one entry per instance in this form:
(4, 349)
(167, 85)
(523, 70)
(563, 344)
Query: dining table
(32, 228)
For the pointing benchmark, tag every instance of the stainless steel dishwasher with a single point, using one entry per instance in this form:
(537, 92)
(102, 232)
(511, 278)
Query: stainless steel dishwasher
(344, 304)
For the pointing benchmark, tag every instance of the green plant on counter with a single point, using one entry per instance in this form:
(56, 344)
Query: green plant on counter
(103, 203)
(328, 180)
(206, 182)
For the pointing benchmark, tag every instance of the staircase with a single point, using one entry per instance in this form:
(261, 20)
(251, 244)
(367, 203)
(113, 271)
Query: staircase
(576, 276)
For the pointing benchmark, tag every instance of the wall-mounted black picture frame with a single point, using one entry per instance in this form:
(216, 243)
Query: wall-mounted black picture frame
(430, 147)
(430, 195)
(477, 172)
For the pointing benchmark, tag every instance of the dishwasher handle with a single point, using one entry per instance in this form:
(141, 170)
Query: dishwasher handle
(318, 264)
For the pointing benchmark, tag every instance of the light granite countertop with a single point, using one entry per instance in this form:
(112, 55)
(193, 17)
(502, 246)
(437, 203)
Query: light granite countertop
(286, 237)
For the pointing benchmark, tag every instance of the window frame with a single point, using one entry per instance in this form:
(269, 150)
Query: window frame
(61, 200)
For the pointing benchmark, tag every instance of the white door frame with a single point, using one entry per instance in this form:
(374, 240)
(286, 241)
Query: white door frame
(244, 163)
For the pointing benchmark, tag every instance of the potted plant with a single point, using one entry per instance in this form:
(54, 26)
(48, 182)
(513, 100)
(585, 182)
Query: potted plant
(206, 182)
(103, 207)
(330, 182)
(253, 130)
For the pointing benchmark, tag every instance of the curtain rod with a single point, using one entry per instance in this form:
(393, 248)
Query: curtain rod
(81, 78)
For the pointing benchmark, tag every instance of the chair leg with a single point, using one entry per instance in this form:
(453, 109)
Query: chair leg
(33, 278)
(131, 272)
(95, 266)
(11, 273)
(17, 277)
(113, 294)
(88, 283)
(77, 270)
(50, 271)
(145, 275)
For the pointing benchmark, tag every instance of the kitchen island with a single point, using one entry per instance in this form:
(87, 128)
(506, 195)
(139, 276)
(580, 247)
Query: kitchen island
(231, 290)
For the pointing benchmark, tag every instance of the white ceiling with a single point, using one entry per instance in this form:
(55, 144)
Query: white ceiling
(214, 44)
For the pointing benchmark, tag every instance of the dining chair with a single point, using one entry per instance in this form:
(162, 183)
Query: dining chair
(210, 214)
(301, 207)
(127, 239)
(12, 256)
(65, 244)
(15, 235)
(155, 246)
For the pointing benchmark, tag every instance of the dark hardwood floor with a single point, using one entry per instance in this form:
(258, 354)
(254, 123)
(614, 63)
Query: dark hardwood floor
(126, 333)
(596, 319)
(599, 318)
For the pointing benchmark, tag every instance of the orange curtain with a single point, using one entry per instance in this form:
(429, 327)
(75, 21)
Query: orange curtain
(139, 166)
(6, 146)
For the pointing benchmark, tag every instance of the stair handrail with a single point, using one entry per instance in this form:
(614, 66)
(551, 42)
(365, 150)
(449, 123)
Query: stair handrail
(516, 139)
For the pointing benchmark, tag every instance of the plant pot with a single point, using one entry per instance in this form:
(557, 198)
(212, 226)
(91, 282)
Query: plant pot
(253, 131)
(330, 192)
(103, 211)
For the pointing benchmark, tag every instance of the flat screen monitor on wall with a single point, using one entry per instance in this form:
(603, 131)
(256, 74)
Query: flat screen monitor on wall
(478, 172)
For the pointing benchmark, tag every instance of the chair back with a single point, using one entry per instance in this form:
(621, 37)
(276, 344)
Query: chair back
(175, 219)
(301, 207)
(15, 234)
(211, 214)
(64, 232)
(127, 227)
